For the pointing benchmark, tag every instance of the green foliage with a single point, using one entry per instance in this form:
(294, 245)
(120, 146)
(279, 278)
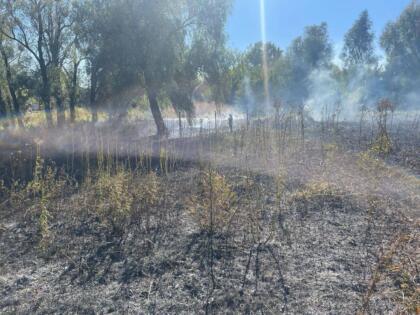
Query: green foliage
(289, 72)
(161, 46)
(165, 49)
(313, 48)
(358, 42)
(401, 42)
(252, 64)
(253, 56)
(401, 39)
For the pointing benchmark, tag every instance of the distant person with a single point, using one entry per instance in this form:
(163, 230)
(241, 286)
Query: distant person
(230, 121)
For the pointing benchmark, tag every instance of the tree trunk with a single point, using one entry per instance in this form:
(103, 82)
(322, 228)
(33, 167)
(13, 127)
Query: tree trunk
(94, 114)
(73, 93)
(302, 124)
(92, 95)
(3, 106)
(45, 96)
(180, 123)
(215, 120)
(157, 115)
(15, 101)
(45, 89)
(72, 106)
(58, 96)
(72, 112)
(61, 116)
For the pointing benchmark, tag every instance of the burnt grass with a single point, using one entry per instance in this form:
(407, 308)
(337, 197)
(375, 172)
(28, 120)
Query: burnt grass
(313, 250)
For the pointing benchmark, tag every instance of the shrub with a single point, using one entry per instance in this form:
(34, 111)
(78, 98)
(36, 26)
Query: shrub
(383, 144)
(212, 206)
(45, 186)
(149, 190)
(114, 198)
(147, 194)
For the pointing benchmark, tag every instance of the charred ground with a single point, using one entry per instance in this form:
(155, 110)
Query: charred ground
(260, 220)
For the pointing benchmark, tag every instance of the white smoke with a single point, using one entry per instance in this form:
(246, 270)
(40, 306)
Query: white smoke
(335, 91)
(324, 93)
(413, 100)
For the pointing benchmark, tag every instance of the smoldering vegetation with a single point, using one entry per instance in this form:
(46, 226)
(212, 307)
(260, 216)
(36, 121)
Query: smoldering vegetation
(267, 218)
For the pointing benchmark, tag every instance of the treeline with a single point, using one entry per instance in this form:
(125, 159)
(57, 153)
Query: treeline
(113, 53)
(108, 53)
(308, 73)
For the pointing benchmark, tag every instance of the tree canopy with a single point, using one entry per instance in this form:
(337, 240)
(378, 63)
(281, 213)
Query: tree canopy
(358, 42)
(111, 53)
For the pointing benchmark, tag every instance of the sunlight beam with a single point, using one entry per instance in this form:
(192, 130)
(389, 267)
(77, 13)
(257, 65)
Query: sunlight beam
(264, 54)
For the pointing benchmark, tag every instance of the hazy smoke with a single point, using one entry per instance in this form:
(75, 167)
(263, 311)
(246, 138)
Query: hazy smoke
(362, 86)
(324, 93)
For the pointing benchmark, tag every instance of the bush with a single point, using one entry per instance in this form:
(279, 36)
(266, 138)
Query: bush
(45, 187)
(212, 207)
(147, 194)
(114, 198)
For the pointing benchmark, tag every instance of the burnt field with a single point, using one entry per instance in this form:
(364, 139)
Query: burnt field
(209, 157)
(259, 220)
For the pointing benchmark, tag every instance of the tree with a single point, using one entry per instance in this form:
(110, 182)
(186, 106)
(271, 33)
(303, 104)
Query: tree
(42, 28)
(401, 42)
(358, 42)
(98, 43)
(88, 15)
(24, 24)
(181, 89)
(203, 20)
(142, 43)
(306, 53)
(402, 37)
(3, 103)
(253, 56)
(58, 39)
(5, 53)
(72, 80)
(244, 77)
(218, 71)
(314, 47)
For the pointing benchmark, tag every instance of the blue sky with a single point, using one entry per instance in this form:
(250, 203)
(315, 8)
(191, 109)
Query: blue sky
(286, 19)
